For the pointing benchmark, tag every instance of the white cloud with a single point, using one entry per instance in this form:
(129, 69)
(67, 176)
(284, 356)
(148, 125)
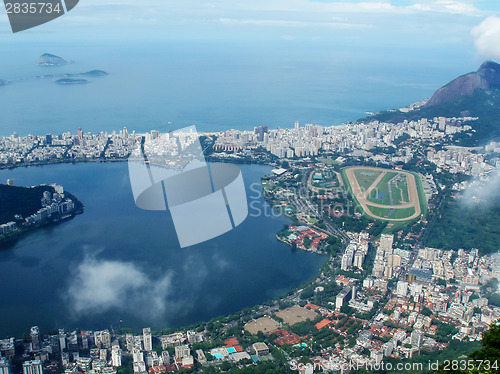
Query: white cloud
(447, 6)
(101, 285)
(487, 38)
(257, 12)
(483, 192)
(287, 23)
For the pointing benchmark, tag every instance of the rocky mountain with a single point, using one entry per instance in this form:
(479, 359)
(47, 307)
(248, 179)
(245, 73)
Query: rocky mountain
(487, 77)
(51, 60)
(471, 95)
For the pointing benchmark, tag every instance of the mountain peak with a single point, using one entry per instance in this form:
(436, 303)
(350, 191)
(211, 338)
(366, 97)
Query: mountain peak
(490, 71)
(485, 78)
(489, 65)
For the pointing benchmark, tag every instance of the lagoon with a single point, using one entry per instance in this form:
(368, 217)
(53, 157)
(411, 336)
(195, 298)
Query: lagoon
(118, 266)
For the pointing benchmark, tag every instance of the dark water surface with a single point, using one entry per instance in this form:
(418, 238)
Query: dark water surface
(121, 266)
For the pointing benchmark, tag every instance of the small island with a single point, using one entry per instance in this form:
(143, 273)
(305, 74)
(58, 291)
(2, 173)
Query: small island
(3, 82)
(92, 73)
(23, 209)
(68, 81)
(48, 59)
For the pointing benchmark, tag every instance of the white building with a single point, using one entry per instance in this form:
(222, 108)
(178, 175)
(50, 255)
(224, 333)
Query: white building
(386, 241)
(402, 288)
(4, 366)
(32, 367)
(116, 357)
(417, 338)
(148, 340)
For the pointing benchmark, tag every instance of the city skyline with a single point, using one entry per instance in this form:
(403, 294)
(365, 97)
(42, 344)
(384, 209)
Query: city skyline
(333, 208)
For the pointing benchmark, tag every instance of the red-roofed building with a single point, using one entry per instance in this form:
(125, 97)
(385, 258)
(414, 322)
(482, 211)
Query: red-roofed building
(285, 337)
(231, 342)
(312, 306)
(158, 369)
(171, 367)
(322, 324)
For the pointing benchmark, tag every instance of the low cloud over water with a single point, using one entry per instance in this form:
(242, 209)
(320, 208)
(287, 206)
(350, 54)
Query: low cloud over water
(101, 285)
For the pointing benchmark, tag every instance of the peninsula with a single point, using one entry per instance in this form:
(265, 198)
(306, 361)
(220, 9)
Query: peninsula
(25, 209)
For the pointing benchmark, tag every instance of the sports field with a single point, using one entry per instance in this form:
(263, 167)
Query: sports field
(390, 195)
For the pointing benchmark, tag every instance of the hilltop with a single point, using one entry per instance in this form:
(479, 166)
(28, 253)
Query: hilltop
(20, 200)
(487, 77)
(471, 95)
(24, 209)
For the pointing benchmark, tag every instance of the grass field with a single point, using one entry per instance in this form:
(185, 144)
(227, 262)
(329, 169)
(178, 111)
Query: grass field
(396, 194)
(382, 188)
(366, 178)
(403, 186)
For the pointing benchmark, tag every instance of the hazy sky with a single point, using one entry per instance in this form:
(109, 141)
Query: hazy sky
(431, 24)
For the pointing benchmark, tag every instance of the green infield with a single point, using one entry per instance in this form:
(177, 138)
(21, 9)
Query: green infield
(389, 195)
(366, 178)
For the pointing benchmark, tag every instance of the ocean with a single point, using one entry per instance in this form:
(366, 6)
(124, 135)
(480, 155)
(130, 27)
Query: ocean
(213, 85)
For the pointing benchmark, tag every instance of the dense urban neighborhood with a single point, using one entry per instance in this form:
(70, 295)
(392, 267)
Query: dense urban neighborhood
(368, 196)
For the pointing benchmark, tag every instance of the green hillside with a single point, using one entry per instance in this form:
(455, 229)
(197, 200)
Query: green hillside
(460, 226)
(482, 104)
(20, 200)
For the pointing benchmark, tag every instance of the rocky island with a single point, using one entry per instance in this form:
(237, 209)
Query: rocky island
(48, 59)
(92, 73)
(3, 82)
(68, 81)
(24, 209)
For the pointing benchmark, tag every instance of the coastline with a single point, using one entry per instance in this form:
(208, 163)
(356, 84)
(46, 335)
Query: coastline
(8, 240)
(57, 162)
